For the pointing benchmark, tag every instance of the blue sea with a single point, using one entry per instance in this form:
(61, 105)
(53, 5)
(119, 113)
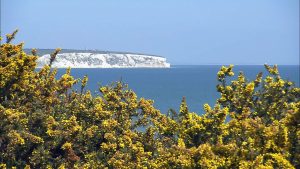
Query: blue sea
(167, 86)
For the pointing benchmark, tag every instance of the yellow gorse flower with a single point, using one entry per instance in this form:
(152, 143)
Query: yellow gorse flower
(46, 123)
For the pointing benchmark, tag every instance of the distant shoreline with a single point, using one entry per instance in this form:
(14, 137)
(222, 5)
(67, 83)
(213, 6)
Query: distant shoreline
(42, 52)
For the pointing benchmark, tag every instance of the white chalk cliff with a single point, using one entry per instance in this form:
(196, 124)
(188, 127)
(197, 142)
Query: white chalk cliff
(104, 60)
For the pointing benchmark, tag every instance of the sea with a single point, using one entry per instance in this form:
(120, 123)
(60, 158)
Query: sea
(167, 86)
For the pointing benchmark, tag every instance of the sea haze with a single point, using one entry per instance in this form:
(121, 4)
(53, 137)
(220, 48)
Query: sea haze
(167, 86)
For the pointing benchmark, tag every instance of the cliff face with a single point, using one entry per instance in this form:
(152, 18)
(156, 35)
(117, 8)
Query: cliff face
(107, 60)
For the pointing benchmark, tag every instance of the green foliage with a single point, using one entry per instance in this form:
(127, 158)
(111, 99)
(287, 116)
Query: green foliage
(45, 123)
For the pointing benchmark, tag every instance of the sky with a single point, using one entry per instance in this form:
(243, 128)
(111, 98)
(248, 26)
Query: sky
(186, 32)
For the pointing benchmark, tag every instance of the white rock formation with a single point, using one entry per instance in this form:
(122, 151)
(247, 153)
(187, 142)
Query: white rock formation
(107, 60)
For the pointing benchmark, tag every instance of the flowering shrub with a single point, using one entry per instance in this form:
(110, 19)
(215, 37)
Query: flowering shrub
(46, 123)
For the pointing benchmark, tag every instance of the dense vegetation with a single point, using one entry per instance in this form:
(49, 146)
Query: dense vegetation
(46, 123)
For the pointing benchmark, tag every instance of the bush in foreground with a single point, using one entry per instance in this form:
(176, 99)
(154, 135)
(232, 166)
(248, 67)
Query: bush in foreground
(46, 123)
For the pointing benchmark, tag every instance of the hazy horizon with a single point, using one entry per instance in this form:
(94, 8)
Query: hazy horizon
(28, 50)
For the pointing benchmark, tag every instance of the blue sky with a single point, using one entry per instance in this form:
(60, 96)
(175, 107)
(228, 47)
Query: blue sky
(185, 31)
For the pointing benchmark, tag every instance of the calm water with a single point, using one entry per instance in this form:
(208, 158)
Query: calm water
(167, 86)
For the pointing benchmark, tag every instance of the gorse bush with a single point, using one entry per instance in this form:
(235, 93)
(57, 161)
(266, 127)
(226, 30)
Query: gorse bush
(46, 123)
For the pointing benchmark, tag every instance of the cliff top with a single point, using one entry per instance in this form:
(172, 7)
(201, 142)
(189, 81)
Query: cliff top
(42, 52)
